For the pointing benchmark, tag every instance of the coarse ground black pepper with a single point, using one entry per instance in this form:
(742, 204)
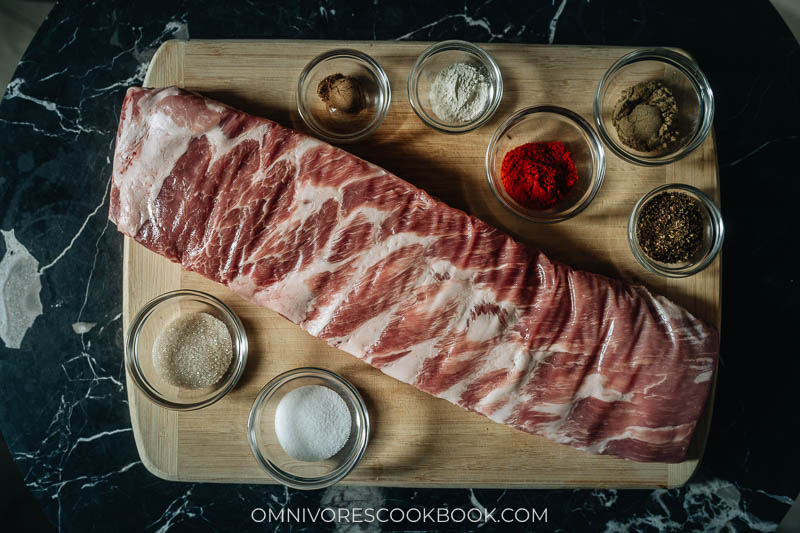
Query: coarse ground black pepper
(670, 227)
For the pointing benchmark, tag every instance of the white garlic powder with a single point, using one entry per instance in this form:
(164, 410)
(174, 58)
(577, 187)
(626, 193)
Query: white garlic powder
(459, 93)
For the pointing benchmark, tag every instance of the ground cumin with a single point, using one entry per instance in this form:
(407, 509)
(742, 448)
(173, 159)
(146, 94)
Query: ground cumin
(645, 117)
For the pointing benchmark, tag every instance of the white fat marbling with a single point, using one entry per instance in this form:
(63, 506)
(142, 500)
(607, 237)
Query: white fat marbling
(158, 148)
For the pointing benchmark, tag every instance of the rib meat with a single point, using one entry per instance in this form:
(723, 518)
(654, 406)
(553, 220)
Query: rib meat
(426, 293)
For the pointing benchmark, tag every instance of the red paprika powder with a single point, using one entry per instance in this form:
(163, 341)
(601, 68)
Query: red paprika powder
(538, 175)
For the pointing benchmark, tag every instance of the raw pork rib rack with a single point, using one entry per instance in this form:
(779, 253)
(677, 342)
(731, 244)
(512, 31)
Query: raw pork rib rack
(424, 292)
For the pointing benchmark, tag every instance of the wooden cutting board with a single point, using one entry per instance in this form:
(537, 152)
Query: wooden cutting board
(417, 440)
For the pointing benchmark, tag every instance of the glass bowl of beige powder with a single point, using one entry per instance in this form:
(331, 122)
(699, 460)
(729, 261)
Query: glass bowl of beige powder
(455, 86)
(185, 350)
(653, 107)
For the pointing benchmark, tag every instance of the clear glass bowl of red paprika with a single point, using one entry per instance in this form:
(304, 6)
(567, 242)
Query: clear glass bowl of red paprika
(545, 164)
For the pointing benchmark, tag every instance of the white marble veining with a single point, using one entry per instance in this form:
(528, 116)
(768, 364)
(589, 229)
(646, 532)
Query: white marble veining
(20, 286)
(713, 504)
(178, 510)
(754, 151)
(551, 36)
(87, 384)
(468, 20)
(62, 466)
(80, 230)
(346, 497)
(83, 327)
(483, 22)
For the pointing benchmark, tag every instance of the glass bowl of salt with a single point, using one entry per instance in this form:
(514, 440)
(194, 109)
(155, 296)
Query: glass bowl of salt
(308, 428)
(455, 87)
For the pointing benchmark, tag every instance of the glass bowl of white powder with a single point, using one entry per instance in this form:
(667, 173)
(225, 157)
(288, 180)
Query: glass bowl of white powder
(185, 350)
(455, 87)
(308, 428)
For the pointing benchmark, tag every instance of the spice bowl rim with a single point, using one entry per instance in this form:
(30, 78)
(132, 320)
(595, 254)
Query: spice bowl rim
(383, 86)
(238, 338)
(689, 68)
(463, 46)
(595, 148)
(353, 398)
(714, 218)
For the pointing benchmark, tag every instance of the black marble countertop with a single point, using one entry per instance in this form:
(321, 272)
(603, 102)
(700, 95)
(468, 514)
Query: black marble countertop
(64, 412)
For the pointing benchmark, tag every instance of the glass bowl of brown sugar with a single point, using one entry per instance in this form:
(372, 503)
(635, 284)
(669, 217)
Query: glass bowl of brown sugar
(185, 350)
(675, 230)
(653, 107)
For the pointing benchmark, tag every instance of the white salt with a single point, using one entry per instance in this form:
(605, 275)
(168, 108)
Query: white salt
(312, 423)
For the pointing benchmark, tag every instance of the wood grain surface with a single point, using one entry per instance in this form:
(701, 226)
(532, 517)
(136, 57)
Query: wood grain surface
(417, 440)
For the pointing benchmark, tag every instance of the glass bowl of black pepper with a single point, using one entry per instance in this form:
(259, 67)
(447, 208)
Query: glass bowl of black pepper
(653, 106)
(174, 345)
(343, 95)
(675, 230)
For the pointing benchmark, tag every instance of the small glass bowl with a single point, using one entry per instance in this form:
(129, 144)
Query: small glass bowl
(689, 86)
(144, 330)
(335, 125)
(713, 234)
(542, 124)
(431, 62)
(268, 450)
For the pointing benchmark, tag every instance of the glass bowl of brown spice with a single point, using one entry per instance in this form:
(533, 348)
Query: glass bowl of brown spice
(343, 95)
(653, 107)
(675, 230)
